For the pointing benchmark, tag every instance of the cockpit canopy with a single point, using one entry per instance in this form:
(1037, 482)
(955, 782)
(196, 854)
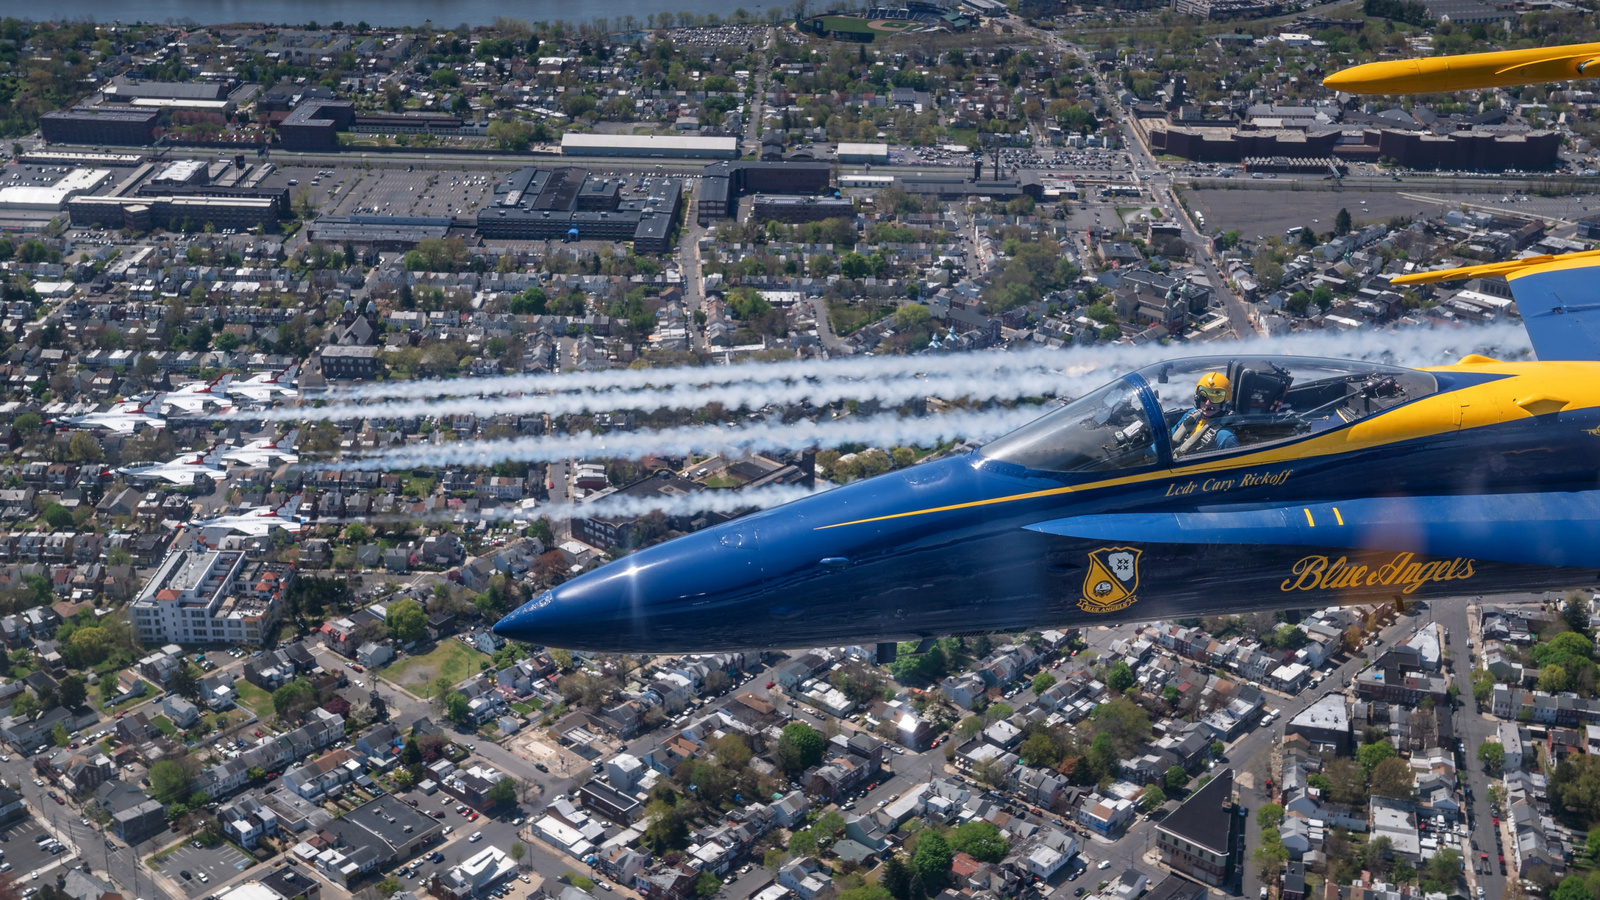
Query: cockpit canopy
(1271, 399)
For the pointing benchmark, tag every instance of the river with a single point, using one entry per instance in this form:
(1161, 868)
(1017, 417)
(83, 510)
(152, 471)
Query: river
(384, 13)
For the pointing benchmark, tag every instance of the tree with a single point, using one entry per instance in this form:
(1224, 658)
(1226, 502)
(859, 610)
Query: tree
(981, 841)
(1176, 778)
(1043, 682)
(1371, 754)
(1493, 756)
(1124, 722)
(1120, 678)
(1443, 868)
(60, 736)
(88, 646)
(1341, 222)
(895, 877)
(1575, 786)
(406, 621)
(932, 860)
(25, 706)
(1269, 816)
(1152, 797)
(800, 747)
(1571, 888)
(457, 707)
(388, 887)
(1322, 296)
(82, 447)
(1553, 679)
(1392, 778)
(169, 782)
(57, 516)
(503, 791)
(28, 424)
(292, 701)
(1039, 751)
(1270, 856)
(73, 691)
(518, 850)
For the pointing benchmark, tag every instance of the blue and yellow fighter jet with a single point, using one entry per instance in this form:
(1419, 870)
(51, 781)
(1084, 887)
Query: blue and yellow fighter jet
(1193, 487)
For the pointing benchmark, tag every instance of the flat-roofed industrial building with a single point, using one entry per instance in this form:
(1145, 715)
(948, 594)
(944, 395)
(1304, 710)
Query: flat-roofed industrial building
(650, 145)
(871, 154)
(378, 232)
(80, 125)
(722, 184)
(769, 208)
(573, 204)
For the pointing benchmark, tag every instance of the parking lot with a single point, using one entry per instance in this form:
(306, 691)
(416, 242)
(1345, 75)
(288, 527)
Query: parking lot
(217, 864)
(397, 192)
(22, 850)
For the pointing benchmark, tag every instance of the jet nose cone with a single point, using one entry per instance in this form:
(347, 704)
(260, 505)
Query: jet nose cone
(642, 598)
(528, 621)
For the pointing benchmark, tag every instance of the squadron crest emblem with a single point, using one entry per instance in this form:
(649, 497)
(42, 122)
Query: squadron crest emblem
(1112, 580)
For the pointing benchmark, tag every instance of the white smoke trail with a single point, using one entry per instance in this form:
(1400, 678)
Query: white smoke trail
(734, 396)
(1416, 347)
(716, 501)
(867, 367)
(877, 431)
(846, 367)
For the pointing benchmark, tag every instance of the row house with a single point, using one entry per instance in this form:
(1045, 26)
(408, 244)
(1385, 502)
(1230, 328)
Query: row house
(272, 754)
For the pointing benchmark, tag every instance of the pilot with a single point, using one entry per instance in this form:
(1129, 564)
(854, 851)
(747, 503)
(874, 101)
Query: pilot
(1200, 429)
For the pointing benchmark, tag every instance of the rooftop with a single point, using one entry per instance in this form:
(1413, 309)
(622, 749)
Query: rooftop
(1204, 818)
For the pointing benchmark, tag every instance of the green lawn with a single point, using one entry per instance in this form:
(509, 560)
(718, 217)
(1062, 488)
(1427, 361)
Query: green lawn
(253, 698)
(450, 659)
(131, 702)
(165, 724)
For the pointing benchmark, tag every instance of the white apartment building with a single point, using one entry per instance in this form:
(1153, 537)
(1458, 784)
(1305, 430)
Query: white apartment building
(199, 597)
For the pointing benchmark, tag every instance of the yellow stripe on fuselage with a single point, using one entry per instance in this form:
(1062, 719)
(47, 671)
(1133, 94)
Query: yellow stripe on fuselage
(1477, 406)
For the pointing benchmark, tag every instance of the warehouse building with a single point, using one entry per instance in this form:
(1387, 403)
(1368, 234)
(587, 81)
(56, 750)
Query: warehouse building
(573, 205)
(722, 184)
(314, 125)
(378, 232)
(956, 186)
(27, 198)
(278, 194)
(792, 210)
(1484, 150)
(407, 123)
(181, 172)
(869, 154)
(650, 145)
(144, 213)
(49, 157)
(127, 127)
(174, 94)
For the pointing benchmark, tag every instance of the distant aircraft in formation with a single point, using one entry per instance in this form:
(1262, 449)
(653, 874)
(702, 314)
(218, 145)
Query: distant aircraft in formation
(185, 471)
(259, 521)
(265, 452)
(266, 387)
(123, 418)
(199, 397)
(1193, 487)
